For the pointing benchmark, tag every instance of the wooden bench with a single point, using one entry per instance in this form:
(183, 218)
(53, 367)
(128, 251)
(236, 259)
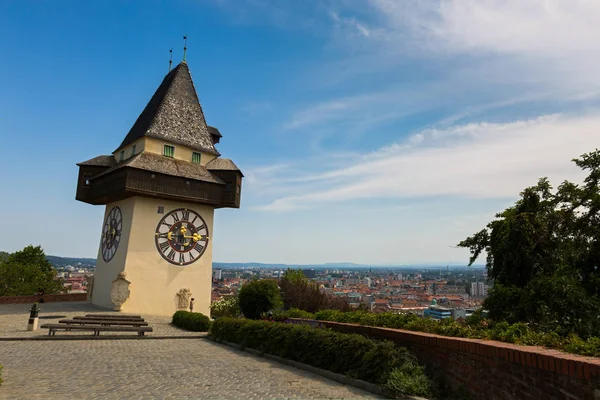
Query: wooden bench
(115, 315)
(104, 322)
(108, 319)
(52, 328)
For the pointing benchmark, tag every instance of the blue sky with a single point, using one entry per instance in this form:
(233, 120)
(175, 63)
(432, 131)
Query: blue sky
(369, 131)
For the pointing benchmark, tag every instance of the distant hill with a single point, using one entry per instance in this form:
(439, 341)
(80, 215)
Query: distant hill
(345, 265)
(64, 261)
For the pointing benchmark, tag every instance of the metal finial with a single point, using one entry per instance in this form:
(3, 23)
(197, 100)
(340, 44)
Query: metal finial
(170, 59)
(184, 46)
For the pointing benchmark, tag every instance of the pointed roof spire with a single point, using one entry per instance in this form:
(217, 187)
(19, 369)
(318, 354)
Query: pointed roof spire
(184, 46)
(174, 114)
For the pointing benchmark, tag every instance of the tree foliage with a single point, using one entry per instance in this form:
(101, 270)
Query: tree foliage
(298, 292)
(259, 296)
(228, 307)
(25, 272)
(543, 254)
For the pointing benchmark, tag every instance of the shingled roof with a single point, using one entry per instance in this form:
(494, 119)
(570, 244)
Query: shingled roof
(174, 114)
(214, 131)
(222, 164)
(168, 166)
(100, 161)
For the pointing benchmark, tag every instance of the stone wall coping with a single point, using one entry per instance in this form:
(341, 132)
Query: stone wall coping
(555, 361)
(48, 298)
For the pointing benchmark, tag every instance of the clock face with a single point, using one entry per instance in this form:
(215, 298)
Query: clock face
(111, 233)
(181, 236)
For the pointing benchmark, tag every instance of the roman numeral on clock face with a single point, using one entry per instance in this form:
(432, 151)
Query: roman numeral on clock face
(181, 258)
(171, 255)
(175, 217)
(164, 246)
(199, 248)
(185, 215)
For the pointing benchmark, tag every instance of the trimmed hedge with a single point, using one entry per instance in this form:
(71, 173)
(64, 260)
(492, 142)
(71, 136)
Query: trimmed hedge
(474, 327)
(196, 322)
(379, 362)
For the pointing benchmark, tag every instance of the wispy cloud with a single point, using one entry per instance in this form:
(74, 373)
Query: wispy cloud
(480, 160)
(457, 55)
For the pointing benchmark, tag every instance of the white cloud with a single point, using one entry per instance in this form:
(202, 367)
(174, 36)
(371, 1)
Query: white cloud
(482, 160)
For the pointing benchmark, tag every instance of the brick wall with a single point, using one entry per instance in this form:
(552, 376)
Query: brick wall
(48, 298)
(494, 370)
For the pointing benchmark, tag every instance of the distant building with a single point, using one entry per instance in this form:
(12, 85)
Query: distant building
(462, 312)
(478, 289)
(217, 274)
(309, 273)
(437, 312)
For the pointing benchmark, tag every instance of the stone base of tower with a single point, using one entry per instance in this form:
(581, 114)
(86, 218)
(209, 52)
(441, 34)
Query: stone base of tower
(154, 286)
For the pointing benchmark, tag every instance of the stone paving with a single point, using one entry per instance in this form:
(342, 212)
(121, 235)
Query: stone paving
(153, 369)
(14, 317)
(142, 368)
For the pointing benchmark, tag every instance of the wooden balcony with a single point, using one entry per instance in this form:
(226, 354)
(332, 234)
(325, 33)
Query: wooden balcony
(127, 182)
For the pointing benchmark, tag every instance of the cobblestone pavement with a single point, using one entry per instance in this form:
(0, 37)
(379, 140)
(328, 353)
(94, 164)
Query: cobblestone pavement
(14, 317)
(153, 369)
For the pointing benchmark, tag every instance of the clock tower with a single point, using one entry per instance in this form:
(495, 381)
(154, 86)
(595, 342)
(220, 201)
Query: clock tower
(160, 188)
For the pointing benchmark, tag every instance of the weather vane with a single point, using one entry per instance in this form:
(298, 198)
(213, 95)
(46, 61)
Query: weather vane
(184, 46)
(170, 59)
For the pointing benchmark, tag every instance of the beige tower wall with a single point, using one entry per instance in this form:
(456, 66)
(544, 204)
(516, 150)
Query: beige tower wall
(154, 282)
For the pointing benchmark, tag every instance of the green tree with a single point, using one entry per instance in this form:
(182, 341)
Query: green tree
(259, 296)
(543, 255)
(299, 292)
(25, 272)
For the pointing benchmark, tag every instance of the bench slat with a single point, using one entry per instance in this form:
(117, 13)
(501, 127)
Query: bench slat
(109, 319)
(102, 322)
(114, 316)
(52, 328)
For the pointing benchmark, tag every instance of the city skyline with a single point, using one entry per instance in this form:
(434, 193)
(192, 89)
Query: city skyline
(374, 132)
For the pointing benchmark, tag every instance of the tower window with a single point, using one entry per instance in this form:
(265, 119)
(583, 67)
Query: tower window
(87, 180)
(122, 155)
(169, 151)
(196, 157)
(133, 150)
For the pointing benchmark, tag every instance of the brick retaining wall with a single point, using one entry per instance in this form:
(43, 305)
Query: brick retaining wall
(495, 370)
(48, 298)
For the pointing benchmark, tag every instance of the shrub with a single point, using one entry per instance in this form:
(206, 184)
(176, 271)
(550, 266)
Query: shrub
(351, 354)
(191, 321)
(259, 296)
(475, 327)
(296, 313)
(1, 374)
(409, 378)
(229, 307)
